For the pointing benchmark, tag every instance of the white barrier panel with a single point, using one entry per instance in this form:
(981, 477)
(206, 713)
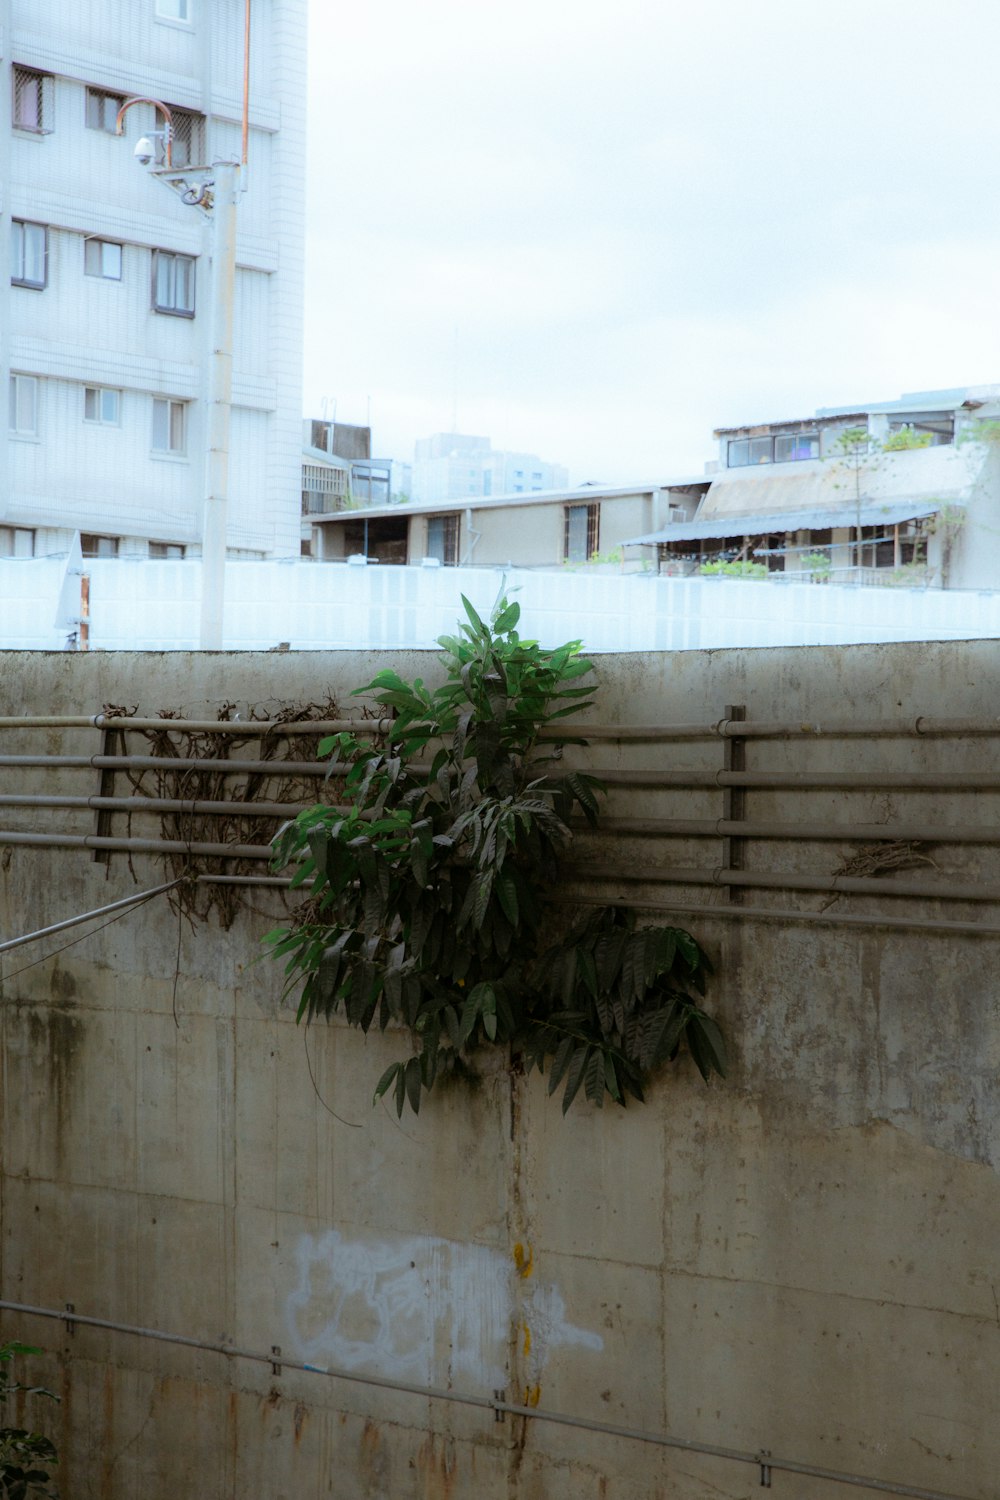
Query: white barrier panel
(153, 606)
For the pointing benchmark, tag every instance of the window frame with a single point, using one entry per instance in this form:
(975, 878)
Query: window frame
(27, 281)
(173, 258)
(98, 243)
(171, 403)
(88, 550)
(14, 405)
(14, 532)
(165, 554)
(187, 129)
(99, 97)
(43, 82)
(101, 391)
(178, 20)
(593, 510)
(450, 523)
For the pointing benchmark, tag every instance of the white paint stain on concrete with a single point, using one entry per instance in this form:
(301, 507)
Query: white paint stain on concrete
(423, 1310)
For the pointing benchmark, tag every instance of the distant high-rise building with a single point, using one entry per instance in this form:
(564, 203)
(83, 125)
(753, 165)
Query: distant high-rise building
(106, 314)
(456, 466)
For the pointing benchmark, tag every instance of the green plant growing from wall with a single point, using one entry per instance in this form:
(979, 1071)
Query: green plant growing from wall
(905, 438)
(819, 565)
(431, 893)
(25, 1457)
(739, 568)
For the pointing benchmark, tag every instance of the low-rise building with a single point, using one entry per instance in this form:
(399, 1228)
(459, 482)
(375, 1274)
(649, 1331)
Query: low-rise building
(531, 531)
(901, 491)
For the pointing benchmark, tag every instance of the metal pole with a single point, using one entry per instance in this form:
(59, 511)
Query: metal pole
(220, 386)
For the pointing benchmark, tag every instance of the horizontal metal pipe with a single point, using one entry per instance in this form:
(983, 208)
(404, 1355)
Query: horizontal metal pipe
(787, 780)
(793, 781)
(922, 725)
(945, 925)
(252, 728)
(294, 768)
(792, 729)
(100, 911)
(639, 827)
(930, 833)
(137, 846)
(758, 1460)
(161, 805)
(860, 885)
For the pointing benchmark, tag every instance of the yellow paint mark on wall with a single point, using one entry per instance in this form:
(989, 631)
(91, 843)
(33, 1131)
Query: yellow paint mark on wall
(527, 1340)
(523, 1260)
(532, 1395)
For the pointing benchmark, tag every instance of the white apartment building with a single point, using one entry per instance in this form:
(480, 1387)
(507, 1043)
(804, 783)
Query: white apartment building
(106, 315)
(457, 466)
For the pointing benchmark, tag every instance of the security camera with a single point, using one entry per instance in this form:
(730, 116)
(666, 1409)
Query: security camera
(143, 152)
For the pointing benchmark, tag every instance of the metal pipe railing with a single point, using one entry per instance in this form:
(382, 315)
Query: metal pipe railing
(137, 846)
(161, 805)
(762, 1459)
(922, 725)
(252, 728)
(776, 880)
(611, 777)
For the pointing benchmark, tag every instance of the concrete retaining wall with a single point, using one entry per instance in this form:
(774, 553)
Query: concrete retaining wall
(801, 1259)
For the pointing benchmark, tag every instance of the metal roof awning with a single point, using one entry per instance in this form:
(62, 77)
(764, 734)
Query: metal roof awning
(715, 527)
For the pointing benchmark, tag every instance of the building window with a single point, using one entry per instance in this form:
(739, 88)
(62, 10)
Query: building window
(102, 404)
(173, 284)
(442, 539)
(101, 111)
(32, 101)
(174, 551)
(102, 258)
(188, 139)
(168, 427)
(581, 532)
(786, 447)
(23, 418)
(796, 446)
(174, 10)
(16, 541)
(29, 254)
(98, 546)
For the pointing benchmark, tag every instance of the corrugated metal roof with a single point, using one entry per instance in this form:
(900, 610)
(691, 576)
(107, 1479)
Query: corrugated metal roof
(811, 519)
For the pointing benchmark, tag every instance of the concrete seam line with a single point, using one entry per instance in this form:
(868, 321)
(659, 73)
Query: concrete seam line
(100, 911)
(540, 1414)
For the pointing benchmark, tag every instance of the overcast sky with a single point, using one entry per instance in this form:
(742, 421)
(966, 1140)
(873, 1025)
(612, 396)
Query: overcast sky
(597, 230)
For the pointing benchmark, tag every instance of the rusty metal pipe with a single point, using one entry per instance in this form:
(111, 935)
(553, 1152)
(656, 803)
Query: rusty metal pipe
(251, 728)
(855, 885)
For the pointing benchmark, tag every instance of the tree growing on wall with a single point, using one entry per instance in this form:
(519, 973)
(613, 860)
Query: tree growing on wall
(433, 894)
(853, 457)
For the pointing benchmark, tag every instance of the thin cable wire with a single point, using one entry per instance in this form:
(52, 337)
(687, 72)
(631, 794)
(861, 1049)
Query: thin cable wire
(141, 901)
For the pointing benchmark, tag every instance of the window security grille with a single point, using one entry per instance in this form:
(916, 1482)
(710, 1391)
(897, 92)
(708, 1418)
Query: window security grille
(32, 101)
(322, 489)
(442, 539)
(188, 141)
(581, 532)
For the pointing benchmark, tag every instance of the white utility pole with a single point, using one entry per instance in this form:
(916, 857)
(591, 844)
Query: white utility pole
(218, 416)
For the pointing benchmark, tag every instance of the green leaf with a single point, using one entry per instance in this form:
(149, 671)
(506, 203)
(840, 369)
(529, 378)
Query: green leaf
(560, 1062)
(706, 1044)
(594, 1076)
(386, 1081)
(414, 1084)
(574, 1076)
